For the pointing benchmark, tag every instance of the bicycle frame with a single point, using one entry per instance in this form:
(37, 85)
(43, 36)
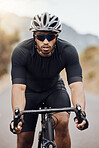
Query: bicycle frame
(46, 136)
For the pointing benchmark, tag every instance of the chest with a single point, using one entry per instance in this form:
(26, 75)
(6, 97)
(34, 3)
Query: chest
(43, 67)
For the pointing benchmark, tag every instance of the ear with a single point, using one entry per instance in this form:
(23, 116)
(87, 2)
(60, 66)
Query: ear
(57, 36)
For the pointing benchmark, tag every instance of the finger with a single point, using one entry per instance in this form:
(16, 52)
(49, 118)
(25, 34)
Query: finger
(12, 125)
(18, 130)
(76, 121)
(20, 124)
(81, 125)
(19, 127)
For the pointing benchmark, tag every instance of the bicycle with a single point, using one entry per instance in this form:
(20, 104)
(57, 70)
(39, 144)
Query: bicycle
(46, 135)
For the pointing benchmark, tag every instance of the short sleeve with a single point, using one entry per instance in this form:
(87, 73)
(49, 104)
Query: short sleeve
(72, 65)
(18, 70)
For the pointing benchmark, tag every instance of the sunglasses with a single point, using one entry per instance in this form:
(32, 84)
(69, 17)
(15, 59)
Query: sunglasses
(41, 37)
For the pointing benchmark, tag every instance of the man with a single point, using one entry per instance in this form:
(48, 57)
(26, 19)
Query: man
(36, 64)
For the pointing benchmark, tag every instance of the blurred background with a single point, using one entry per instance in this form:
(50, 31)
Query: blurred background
(80, 27)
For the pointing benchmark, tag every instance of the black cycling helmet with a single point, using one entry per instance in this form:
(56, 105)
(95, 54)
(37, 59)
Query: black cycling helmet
(46, 22)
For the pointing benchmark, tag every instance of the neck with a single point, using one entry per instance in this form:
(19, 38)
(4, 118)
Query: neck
(45, 54)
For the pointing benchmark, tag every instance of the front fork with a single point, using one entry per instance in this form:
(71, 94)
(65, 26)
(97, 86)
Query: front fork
(47, 135)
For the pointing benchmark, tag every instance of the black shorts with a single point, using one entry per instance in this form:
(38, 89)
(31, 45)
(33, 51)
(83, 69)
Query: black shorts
(56, 97)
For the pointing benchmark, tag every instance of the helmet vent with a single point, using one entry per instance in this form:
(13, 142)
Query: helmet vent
(44, 20)
(59, 27)
(36, 24)
(51, 18)
(56, 19)
(39, 17)
(34, 18)
(53, 25)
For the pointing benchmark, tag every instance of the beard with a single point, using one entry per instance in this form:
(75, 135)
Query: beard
(45, 49)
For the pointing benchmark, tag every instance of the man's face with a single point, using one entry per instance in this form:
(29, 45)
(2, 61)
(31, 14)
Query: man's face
(45, 43)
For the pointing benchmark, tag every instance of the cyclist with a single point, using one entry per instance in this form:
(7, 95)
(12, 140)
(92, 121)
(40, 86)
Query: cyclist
(36, 64)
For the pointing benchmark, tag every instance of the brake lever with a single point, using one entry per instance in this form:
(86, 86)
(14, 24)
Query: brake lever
(16, 117)
(78, 113)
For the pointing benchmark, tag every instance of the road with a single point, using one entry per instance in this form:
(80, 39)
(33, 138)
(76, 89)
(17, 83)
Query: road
(79, 139)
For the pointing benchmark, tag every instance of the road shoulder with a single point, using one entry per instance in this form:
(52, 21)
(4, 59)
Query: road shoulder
(5, 81)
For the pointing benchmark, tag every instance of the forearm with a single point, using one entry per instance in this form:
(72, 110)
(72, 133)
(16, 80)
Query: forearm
(77, 94)
(18, 97)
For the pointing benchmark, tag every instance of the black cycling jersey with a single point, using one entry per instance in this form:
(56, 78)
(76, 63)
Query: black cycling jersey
(41, 73)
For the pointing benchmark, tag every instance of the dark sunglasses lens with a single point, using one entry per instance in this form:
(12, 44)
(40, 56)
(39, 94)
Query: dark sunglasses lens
(42, 37)
(50, 37)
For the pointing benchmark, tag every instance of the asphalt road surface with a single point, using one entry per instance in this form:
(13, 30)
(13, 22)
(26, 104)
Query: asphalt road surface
(86, 139)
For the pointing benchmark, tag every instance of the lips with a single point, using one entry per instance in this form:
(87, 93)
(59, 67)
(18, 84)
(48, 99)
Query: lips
(46, 47)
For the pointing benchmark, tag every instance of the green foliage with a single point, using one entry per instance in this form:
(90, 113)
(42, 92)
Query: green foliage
(6, 43)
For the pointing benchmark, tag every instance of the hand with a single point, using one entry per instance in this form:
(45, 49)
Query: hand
(17, 129)
(81, 125)
(80, 119)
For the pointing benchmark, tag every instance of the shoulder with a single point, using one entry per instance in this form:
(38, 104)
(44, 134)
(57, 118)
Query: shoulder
(22, 50)
(66, 49)
(24, 47)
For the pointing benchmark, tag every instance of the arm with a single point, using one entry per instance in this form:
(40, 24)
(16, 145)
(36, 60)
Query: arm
(18, 96)
(78, 97)
(18, 74)
(18, 100)
(74, 77)
(77, 94)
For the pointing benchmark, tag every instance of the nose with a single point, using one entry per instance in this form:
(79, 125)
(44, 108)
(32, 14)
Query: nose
(45, 41)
